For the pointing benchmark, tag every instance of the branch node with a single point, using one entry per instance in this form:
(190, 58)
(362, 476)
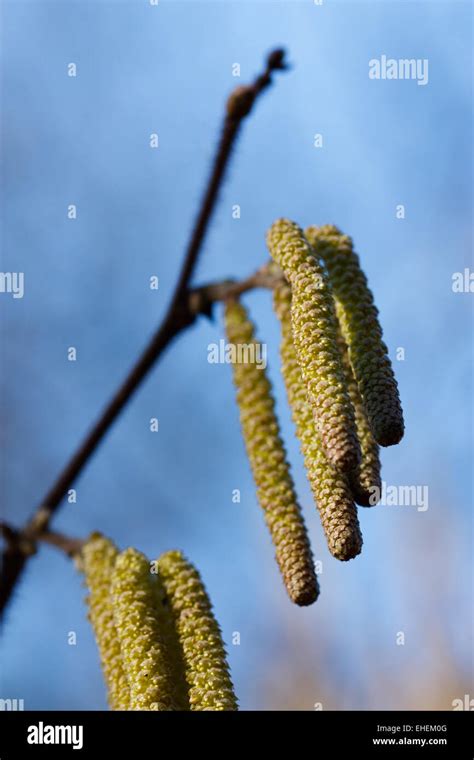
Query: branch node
(180, 315)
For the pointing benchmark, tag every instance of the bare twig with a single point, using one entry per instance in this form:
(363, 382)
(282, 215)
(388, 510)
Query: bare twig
(70, 546)
(16, 542)
(201, 299)
(180, 315)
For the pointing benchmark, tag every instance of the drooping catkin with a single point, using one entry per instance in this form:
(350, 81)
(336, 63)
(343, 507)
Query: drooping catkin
(330, 487)
(266, 453)
(206, 670)
(361, 330)
(171, 644)
(138, 628)
(365, 479)
(98, 560)
(314, 333)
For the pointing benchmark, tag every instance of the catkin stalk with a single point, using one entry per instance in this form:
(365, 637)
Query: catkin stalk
(98, 560)
(138, 628)
(362, 332)
(206, 670)
(330, 487)
(267, 456)
(315, 339)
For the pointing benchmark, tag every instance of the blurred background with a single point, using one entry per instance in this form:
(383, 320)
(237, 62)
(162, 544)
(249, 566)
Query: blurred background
(85, 140)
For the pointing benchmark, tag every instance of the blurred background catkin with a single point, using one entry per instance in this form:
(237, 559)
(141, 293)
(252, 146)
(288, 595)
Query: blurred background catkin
(141, 70)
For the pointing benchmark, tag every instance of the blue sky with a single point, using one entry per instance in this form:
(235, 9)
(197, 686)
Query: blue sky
(85, 141)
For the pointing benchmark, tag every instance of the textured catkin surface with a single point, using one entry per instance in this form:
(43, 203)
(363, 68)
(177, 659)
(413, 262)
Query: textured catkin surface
(365, 479)
(98, 560)
(361, 330)
(137, 623)
(330, 487)
(270, 468)
(171, 645)
(314, 334)
(207, 673)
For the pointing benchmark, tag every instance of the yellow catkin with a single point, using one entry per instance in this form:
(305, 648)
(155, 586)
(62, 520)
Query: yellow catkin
(315, 338)
(136, 619)
(330, 487)
(207, 672)
(365, 479)
(98, 560)
(358, 317)
(268, 461)
(171, 643)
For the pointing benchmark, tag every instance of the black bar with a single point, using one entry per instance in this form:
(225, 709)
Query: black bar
(342, 734)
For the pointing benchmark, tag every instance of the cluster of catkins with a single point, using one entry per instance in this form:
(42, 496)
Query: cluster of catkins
(160, 645)
(341, 389)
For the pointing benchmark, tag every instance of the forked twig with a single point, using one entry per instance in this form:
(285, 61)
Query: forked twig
(184, 307)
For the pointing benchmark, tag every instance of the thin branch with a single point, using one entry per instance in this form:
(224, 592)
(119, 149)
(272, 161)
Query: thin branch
(15, 541)
(70, 546)
(178, 316)
(239, 105)
(201, 299)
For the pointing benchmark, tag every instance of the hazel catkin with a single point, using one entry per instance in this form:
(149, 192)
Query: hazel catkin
(358, 317)
(267, 456)
(314, 335)
(204, 658)
(329, 486)
(172, 649)
(138, 629)
(365, 479)
(98, 559)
